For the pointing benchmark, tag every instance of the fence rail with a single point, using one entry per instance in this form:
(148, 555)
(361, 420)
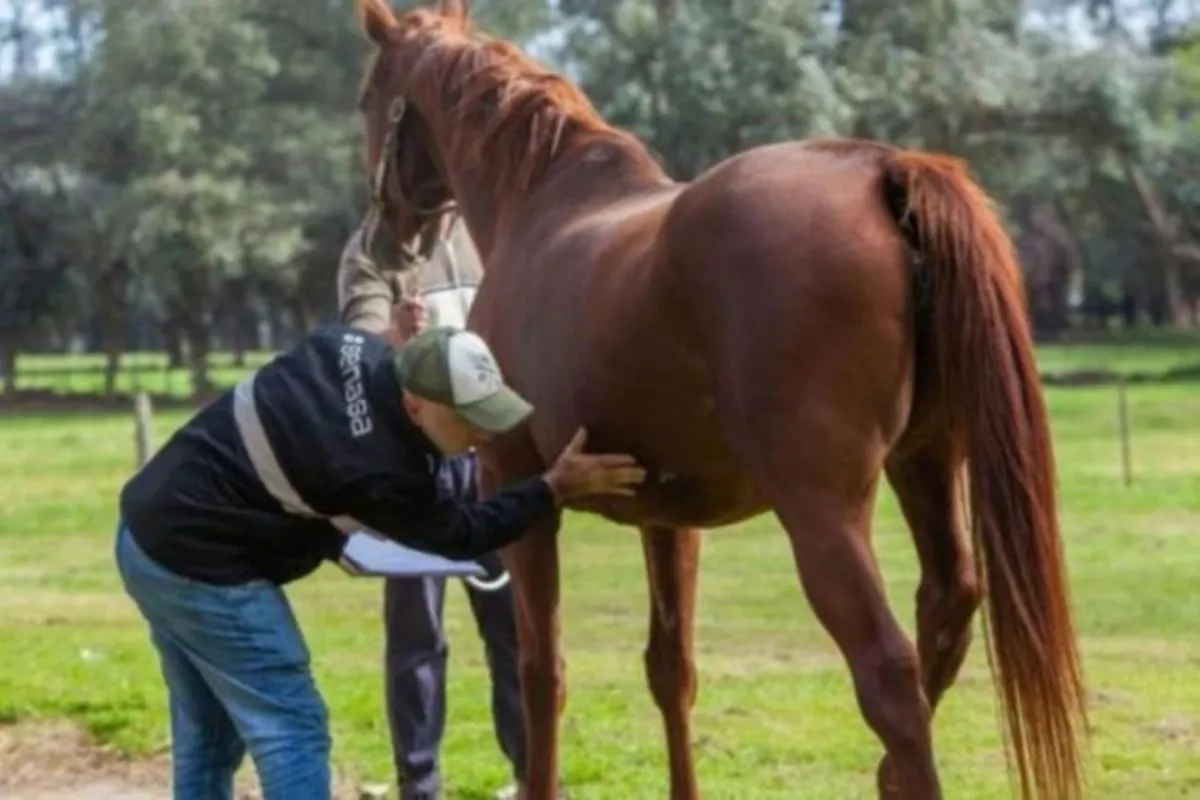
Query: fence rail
(140, 369)
(151, 372)
(53, 370)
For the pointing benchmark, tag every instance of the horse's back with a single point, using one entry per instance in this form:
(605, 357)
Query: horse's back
(776, 190)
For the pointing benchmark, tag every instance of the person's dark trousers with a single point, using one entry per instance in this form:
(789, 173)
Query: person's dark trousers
(415, 669)
(416, 675)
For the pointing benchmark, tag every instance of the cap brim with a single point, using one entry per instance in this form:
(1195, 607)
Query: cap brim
(497, 413)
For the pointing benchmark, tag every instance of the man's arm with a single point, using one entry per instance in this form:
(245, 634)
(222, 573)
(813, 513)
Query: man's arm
(452, 528)
(365, 295)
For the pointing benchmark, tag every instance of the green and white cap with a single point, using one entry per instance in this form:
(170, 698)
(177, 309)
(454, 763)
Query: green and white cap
(456, 368)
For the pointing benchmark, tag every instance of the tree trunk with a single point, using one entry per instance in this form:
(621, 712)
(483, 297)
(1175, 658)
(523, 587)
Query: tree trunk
(172, 332)
(1164, 229)
(1074, 266)
(112, 368)
(1129, 305)
(302, 315)
(239, 347)
(198, 343)
(239, 319)
(8, 362)
(114, 319)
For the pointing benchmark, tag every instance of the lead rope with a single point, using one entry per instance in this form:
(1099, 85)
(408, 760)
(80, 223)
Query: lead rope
(409, 286)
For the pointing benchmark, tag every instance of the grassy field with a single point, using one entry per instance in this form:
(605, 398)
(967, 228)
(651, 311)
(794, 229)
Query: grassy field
(776, 716)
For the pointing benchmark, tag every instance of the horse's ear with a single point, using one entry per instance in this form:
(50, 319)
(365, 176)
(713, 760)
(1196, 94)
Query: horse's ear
(376, 18)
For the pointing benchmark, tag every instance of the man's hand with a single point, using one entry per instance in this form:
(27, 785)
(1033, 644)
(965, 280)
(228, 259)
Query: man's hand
(409, 317)
(578, 474)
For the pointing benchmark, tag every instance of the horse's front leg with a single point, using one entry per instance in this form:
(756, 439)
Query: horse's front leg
(672, 566)
(533, 565)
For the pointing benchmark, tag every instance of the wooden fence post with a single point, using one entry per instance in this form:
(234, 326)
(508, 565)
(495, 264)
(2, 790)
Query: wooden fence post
(143, 419)
(1123, 427)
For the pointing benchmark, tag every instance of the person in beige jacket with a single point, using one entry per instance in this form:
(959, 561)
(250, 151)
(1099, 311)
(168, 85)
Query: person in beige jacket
(416, 647)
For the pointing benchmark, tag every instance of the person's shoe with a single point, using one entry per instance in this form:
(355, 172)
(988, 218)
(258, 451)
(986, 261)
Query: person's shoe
(434, 795)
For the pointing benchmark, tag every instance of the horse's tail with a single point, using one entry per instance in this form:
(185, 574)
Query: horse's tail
(976, 353)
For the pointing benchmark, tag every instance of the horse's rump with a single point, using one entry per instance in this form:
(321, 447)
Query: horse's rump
(792, 256)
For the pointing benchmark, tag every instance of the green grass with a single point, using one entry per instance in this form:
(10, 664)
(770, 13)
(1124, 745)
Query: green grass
(1140, 354)
(776, 716)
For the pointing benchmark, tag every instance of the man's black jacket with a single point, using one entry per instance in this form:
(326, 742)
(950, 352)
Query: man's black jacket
(331, 410)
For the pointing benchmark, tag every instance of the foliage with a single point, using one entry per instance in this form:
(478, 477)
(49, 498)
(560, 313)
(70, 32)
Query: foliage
(197, 162)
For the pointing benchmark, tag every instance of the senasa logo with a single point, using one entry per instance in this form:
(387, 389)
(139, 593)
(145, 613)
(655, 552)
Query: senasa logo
(357, 408)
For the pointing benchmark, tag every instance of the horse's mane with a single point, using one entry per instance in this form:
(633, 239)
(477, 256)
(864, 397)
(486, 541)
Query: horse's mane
(528, 116)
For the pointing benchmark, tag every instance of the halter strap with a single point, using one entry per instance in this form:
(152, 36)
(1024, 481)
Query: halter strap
(396, 111)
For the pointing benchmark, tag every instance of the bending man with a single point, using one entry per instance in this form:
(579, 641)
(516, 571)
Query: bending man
(258, 488)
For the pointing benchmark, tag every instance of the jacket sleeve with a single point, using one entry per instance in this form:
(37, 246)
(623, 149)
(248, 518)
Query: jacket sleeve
(451, 527)
(365, 295)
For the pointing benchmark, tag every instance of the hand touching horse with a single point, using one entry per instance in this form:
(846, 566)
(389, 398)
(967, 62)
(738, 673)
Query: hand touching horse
(779, 334)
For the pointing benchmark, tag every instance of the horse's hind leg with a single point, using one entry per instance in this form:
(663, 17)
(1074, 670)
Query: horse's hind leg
(825, 501)
(672, 564)
(948, 594)
(830, 539)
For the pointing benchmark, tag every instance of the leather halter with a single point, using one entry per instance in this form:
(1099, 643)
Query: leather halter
(379, 175)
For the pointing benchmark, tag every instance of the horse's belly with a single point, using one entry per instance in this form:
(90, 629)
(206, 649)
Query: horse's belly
(692, 479)
(681, 501)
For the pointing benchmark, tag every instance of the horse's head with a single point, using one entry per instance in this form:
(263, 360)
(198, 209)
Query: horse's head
(408, 182)
(447, 108)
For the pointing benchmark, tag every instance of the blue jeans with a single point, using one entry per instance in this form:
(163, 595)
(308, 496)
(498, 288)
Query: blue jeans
(239, 679)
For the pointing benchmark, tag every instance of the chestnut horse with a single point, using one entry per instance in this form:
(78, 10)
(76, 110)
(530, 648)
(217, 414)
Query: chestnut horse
(777, 334)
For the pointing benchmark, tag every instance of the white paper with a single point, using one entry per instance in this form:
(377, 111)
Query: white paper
(370, 555)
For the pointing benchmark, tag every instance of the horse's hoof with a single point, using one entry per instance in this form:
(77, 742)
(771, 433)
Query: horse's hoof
(523, 794)
(885, 779)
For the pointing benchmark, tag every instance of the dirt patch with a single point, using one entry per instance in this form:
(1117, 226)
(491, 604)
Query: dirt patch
(58, 761)
(40, 761)
(1174, 728)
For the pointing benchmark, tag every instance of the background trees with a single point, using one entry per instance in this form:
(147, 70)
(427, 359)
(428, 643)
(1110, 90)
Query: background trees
(182, 175)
